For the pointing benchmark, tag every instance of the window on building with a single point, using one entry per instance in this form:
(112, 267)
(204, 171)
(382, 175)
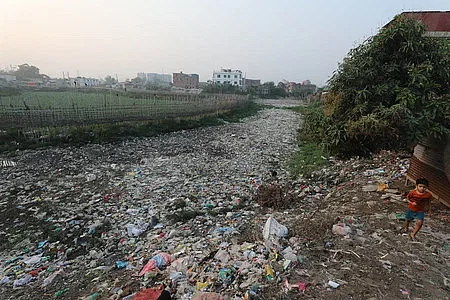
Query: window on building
(240, 82)
(229, 76)
(235, 76)
(218, 75)
(239, 75)
(235, 82)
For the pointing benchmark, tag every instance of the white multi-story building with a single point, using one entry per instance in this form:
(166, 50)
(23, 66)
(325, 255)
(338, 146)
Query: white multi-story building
(83, 82)
(228, 76)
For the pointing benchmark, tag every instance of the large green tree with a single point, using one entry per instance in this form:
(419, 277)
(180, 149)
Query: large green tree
(110, 80)
(26, 71)
(389, 92)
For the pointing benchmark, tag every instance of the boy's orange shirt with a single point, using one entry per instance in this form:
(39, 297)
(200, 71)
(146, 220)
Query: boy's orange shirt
(420, 200)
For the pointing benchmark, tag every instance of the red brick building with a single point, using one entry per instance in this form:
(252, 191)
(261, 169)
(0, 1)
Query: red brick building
(185, 81)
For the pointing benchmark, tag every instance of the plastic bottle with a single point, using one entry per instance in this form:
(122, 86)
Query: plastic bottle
(333, 284)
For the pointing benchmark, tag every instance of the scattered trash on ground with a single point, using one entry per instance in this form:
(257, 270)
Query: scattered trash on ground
(198, 214)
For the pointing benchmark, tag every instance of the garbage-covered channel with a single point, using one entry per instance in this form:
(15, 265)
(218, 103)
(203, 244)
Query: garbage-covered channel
(181, 212)
(79, 217)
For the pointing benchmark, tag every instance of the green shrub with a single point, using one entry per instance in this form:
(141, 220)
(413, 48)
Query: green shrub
(389, 92)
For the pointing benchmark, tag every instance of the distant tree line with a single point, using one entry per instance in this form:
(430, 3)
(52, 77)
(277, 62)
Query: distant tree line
(266, 90)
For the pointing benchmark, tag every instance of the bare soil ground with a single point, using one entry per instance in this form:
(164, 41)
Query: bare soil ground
(375, 261)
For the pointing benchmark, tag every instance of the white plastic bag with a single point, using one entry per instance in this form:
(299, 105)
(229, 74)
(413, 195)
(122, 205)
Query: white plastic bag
(341, 229)
(272, 227)
(32, 260)
(136, 229)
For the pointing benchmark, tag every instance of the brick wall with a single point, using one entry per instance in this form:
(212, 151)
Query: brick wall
(186, 81)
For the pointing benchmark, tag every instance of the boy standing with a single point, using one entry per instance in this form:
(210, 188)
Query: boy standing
(417, 200)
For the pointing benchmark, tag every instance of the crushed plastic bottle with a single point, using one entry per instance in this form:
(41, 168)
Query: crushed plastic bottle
(333, 284)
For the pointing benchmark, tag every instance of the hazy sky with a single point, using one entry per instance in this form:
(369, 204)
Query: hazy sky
(268, 40)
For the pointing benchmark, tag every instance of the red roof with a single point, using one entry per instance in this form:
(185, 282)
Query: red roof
(433, 20)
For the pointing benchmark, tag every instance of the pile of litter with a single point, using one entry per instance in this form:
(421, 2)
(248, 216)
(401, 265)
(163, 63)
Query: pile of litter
(198, 214)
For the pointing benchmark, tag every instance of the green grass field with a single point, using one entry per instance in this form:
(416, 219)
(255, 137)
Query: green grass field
(40, 119)
(68, 100)
(33, 109)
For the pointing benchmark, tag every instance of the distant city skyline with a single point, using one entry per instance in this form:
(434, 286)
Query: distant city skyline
(267, 40)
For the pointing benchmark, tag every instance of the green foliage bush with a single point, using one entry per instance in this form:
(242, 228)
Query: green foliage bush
(389, 92)
(222, 88)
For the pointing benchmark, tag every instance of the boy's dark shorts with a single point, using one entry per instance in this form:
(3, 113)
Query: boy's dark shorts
(410, 215)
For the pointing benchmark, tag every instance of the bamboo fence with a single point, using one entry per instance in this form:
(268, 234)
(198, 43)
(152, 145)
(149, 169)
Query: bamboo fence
(52, 109)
